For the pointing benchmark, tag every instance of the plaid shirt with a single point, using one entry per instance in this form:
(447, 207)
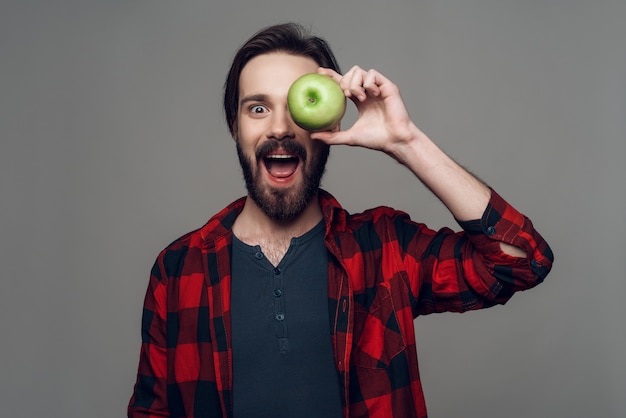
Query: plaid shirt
(385, 270)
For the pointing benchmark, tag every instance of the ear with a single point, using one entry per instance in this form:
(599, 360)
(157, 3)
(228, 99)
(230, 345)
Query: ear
(234, 131)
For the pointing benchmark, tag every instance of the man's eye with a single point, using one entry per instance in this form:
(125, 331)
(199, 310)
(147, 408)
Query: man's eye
(257, 109)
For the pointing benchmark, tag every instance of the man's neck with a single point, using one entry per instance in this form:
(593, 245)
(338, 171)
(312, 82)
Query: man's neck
(254, 227)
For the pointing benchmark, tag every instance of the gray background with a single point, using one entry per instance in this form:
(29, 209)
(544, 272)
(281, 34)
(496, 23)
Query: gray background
(112, 145)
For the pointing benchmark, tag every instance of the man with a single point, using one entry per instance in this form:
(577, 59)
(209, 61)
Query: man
(285, 305)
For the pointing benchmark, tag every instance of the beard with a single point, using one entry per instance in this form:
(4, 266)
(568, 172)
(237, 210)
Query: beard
(284, 204)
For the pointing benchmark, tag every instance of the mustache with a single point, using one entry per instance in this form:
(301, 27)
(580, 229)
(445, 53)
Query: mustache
(288, 145)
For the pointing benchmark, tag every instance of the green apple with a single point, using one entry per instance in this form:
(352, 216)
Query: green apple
(316, 102)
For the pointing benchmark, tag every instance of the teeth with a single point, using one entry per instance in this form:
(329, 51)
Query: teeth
(280, 157)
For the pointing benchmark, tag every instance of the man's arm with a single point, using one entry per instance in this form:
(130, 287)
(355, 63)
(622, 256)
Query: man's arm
(384, 124)
(149, 398)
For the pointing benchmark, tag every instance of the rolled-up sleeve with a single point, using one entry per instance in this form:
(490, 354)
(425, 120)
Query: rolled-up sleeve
(450, 271)
(502, 223)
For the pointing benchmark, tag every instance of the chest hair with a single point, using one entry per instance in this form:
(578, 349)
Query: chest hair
(274, 248)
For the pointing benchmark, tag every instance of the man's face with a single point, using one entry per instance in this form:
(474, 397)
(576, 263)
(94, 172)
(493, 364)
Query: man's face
(282, 165)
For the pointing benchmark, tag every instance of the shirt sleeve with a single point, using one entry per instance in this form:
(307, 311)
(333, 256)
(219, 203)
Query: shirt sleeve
(460, 271)
(149, 398)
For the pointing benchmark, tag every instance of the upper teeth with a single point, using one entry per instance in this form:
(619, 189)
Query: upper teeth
(280, 156)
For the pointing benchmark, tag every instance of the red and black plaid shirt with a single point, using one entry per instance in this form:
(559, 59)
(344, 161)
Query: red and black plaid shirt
(385, 270)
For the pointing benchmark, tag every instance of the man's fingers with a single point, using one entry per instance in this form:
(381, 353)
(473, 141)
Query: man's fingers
(357, 83)
(330, 73)
(352, 83)
(371, 82)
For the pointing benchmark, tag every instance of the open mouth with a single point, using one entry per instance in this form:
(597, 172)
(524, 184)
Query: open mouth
(281, 165)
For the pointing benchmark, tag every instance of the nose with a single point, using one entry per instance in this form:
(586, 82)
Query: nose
(281, 125)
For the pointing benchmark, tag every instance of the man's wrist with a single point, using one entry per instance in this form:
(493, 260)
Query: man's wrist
(406, 149)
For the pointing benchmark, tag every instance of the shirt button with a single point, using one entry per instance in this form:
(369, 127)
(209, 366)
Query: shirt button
(276, 271)
(258, 255)
(280, 317)
(491, 230)
(277, 293)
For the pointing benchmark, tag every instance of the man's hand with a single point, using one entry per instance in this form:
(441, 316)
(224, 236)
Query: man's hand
(383, 124)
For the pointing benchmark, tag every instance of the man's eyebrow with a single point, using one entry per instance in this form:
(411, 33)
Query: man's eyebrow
(252, 98)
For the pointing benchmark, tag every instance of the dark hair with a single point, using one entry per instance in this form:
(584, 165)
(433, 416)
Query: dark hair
(286, 37)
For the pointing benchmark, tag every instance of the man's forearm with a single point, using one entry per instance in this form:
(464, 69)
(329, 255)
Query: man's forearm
(459, 190)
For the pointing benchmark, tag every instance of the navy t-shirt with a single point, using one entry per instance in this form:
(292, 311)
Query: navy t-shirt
(283, 362)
